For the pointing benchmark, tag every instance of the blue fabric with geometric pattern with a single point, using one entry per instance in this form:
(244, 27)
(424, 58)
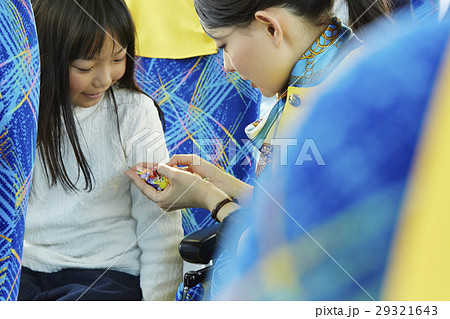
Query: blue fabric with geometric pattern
(19, 98)
(196, 293)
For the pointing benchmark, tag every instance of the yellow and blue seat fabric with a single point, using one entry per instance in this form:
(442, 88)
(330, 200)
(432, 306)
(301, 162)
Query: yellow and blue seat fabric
(19, 98)
(196, 293)
(206, 109)
(373, 222)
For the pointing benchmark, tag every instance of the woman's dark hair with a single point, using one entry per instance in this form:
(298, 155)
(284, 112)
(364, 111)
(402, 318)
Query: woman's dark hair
(69, 30)
(240, 13)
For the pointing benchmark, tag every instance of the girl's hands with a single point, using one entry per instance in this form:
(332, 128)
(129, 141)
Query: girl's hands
(224, 181)
(184, 190)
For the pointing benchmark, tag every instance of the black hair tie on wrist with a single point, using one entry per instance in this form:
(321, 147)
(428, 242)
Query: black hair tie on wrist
(220, 204)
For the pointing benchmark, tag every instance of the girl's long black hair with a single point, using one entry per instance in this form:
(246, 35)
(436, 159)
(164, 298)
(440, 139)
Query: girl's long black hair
(240, 13)
(69, 30)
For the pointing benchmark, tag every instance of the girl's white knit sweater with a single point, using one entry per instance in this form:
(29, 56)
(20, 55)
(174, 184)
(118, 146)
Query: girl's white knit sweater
(114, 226)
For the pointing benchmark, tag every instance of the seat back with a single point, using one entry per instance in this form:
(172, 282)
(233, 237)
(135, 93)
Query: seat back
(19, 98)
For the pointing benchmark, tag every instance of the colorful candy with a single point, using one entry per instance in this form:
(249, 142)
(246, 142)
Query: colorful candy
(153, 178)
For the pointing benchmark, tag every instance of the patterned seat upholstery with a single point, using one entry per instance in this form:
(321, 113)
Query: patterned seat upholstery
(19, 98)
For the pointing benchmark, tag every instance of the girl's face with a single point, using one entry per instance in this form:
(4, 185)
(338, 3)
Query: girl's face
(251, 52)
(89, 79)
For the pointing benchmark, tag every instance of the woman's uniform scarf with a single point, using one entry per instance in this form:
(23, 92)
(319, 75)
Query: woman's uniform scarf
(313, 68)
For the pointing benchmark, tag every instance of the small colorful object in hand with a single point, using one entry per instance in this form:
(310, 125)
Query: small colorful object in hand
(153, 178)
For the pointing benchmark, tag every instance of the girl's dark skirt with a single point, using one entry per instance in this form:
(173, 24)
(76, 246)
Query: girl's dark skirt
(79, 284)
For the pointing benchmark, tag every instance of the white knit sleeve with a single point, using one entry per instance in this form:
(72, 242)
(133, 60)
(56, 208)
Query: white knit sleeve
(159, 233)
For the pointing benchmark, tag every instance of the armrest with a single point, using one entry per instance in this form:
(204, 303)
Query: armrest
(198, 247)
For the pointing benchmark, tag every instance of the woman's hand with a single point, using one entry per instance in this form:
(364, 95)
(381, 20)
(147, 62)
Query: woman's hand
(184, 190)
(224, 181)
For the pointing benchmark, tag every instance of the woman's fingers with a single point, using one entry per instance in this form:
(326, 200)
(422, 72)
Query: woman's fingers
(172, 173)
(184, 190)
(166, 170)
(184, 160)
(144, 165)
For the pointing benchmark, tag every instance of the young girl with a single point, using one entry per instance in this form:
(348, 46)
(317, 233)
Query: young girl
(90, 234)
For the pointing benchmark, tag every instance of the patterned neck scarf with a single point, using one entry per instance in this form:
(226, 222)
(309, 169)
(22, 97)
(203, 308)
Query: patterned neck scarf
(313, 68)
